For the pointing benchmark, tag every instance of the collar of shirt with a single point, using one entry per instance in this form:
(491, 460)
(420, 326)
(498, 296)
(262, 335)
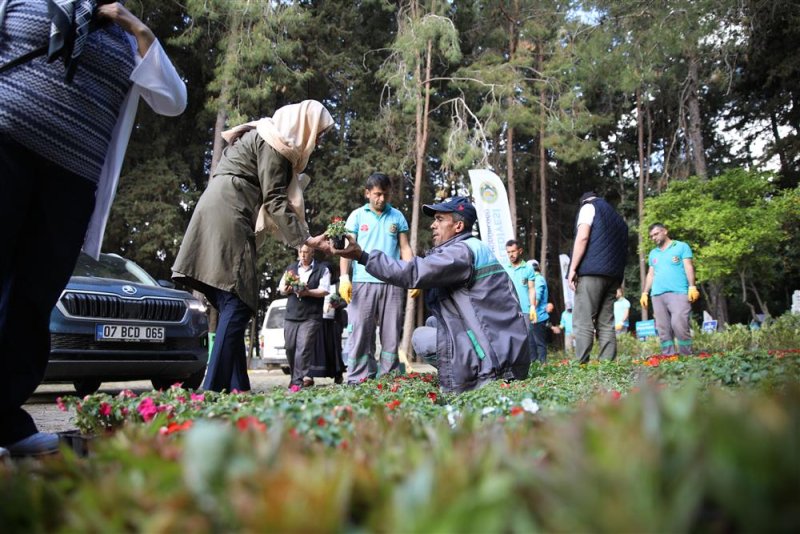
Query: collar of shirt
(304, 273)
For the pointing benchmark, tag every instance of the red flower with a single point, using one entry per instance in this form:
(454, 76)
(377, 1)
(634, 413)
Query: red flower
(505, 385)
(175, 427)
(432, 396)
(392, 405)
(251, 421)
(394, 388)
(615, 395)
(517, 410)
(320, 421)
(105, 409)
(380, 387)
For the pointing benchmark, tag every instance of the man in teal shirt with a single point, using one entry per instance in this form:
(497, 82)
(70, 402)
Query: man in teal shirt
(671, 279)
(372, 303)
(523, 277)
(541, 316)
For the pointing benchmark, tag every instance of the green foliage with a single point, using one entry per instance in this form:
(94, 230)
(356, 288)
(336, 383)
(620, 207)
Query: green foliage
(395, 459)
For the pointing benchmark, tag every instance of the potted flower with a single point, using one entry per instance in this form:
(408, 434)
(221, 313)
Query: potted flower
(294, 282)
(336, 301)
(336, 232)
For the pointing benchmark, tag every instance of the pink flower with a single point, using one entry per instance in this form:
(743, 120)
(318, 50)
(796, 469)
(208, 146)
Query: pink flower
(60, 404)
(197, 397)
(615, 395)
(105, 409)
(126, 394)
(181, 399)
(147, 409)
(294, 388)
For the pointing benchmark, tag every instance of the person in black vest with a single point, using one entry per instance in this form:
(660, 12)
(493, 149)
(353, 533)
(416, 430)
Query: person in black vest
(307, 282)
(596, 271)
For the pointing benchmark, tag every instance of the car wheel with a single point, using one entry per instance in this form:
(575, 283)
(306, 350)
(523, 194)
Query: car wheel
(86, 386)
(193, 381)
(286, 369)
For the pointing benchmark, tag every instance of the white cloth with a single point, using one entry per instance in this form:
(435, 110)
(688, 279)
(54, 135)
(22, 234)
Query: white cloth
(586, 214)
(157, 82)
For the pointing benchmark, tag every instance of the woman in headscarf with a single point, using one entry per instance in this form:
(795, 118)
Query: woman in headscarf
(256, 179)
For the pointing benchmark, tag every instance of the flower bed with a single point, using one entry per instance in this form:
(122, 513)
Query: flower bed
(702, 443)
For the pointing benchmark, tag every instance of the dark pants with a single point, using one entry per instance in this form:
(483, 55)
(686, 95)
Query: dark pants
(538, 332)
(300, 339)
(227, 366)
(44, 213)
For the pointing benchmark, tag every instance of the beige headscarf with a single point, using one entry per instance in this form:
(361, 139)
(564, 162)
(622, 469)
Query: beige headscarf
(293, 132)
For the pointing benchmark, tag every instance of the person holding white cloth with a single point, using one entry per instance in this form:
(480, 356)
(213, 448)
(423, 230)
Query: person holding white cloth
(65, 120)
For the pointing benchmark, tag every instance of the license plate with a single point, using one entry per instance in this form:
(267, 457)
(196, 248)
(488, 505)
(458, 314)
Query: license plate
(123, 332)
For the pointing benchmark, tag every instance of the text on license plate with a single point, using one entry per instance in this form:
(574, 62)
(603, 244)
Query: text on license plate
(122, 332)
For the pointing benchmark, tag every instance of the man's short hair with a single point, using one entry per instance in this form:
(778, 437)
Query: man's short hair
(512, 243)
(459, 217)
(656, 225)
(378, 179)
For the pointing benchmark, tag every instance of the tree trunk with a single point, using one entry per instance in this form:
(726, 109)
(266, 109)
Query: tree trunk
(695, 120)
(542, 172)
(640, 204)
(423, 106)
(510, 182)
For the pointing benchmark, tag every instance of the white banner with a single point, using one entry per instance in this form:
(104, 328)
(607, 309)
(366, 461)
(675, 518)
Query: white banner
(569, 295)
(494, 217)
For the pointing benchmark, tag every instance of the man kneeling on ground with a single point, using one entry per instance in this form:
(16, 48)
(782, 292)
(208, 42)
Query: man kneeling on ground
(481, 333)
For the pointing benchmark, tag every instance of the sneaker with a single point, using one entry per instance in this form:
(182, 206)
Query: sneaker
(37, 444)
(308, 382)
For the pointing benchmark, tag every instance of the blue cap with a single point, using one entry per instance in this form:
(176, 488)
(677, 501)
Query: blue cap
(460, 205)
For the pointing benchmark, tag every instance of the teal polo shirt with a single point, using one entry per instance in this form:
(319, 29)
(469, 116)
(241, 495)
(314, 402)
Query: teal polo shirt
(520, 276)
(542, 296)
(376, 232)
(669, 275)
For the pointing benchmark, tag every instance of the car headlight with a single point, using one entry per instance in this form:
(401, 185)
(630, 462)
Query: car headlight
(195, 304)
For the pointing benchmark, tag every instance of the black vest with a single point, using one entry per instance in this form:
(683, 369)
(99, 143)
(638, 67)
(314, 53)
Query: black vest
(607, 250)
(301, 309)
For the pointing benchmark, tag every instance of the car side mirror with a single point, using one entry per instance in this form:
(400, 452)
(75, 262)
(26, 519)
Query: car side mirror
(166, 283)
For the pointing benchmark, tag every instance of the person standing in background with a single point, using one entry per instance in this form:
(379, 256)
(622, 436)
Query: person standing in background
(303, 323)
(372, 302)
(540, 316)
(622, 311)
(523, 276)
(596, 270)
(671, 279)
(64, 130)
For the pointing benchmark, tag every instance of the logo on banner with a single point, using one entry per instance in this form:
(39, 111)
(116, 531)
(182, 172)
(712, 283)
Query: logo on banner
(488, 193)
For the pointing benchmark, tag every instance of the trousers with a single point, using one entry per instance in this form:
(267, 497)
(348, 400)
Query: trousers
(374, 305)
(44, 213)
(593, 311)
(227, 365)
(672, 322)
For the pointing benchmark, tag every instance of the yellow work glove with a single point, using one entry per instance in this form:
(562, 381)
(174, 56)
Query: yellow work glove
(644, 300)
(618, 327)
(346, 289)
(532, 315)
(414, 292)
(694, 294)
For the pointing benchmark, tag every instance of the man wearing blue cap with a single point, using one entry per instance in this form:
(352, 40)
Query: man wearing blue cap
(481, 332)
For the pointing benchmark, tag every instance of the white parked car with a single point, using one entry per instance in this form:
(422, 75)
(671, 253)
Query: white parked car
(270, 337)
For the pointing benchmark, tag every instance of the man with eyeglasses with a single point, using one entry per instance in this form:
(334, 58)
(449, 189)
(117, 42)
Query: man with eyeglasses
(671, 279)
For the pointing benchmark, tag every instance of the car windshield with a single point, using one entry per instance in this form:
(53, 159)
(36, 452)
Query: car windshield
(112, 266)
(276, 317)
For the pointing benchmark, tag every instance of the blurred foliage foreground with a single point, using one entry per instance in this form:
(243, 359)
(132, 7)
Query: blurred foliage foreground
(709, 443)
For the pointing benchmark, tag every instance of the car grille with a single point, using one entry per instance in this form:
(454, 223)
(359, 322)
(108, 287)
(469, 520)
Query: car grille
(98, 306)
(92, 349)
